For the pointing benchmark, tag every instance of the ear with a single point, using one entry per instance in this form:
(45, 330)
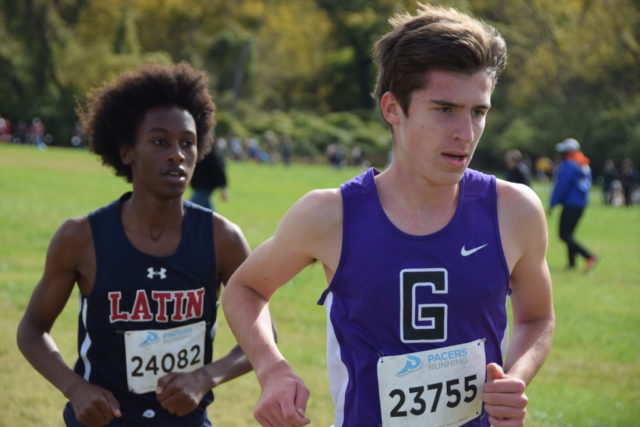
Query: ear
(126, 154)
(390, 107)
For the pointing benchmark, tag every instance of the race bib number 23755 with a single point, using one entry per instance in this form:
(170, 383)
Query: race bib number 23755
(441, 387)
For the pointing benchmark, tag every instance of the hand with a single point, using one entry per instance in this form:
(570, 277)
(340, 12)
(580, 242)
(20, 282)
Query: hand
(504, 398)
(283, 400)
(224, 194)
(181, 392)
(93, 405)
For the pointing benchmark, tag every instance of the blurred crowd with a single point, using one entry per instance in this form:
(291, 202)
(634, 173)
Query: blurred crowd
(620, 184)
(33, 132)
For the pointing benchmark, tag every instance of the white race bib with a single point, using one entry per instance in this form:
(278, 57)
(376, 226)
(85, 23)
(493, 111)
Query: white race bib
(153, 353)
(435, 388)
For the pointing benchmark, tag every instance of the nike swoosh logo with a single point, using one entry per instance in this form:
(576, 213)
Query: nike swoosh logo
(465, 252)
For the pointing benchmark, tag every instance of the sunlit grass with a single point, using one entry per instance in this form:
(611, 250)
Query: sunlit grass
(592, 376)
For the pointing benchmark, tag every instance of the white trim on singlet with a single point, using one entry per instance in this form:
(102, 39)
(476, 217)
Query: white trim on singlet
(213, 331)
(336, 369)
(86, 343)
(506, 338)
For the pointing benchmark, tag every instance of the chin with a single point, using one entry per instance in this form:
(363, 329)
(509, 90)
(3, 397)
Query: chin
(448, 178)
(170, 194)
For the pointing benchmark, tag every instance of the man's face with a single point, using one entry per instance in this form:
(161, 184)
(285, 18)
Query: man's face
(164, 152)
(436, 139)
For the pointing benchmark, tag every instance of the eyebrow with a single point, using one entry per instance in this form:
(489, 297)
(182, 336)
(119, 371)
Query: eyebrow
(166, 131)
(454, 105)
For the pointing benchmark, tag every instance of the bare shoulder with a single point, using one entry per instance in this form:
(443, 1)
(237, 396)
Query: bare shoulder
(74, 233)
(518, 199)
(310, 231)
(520, 211)
(231, 247)
(71, 256)
(225, 229)
(318, 222)
(322, 208)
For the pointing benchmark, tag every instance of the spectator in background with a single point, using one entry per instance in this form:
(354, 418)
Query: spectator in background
(223, 146)
(5, 129)
(237, 151)
(36, 132)
(77, 140)
(286, 150)
(629, 177)
(571, 190)
(606, 179)
(517, 169)
(357, 156)
(21, 133)
(209, 174)
(272, 145)
(617, 195)
(253, 150)
(335, 154)
(544, 168)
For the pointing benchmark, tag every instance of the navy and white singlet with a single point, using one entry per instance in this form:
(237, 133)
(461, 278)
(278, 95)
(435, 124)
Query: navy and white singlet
(142, 313)
(377, 298)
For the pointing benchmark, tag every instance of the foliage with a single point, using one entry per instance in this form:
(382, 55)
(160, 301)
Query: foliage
(309, 132)
(573, 65)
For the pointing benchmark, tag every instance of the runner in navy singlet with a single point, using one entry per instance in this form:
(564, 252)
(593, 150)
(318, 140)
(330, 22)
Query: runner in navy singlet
(149, 266)
(419, 259)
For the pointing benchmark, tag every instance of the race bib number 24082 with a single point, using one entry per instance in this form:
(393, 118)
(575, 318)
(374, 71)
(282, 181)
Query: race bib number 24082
(153, 353)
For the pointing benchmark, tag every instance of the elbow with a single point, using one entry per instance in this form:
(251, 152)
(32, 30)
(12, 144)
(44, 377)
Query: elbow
(228, 296)
(24, 335)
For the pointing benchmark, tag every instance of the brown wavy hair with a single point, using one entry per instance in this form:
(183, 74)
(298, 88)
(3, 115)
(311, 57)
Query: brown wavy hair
(436, 38)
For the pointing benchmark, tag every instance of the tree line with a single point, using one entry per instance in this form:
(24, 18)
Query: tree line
(303, 68)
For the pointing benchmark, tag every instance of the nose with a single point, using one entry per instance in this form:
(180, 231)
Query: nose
(176, 152)
(464, 129)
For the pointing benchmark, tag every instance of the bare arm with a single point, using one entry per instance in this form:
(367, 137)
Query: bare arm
(531, 299)
(66, 257)
(308, 232)
(524, 233)
(180, 393)
(232, 250)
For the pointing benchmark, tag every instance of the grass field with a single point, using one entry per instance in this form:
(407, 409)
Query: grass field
(592, 376)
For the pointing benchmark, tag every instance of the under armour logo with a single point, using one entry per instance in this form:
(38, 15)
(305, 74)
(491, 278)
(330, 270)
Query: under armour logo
(151, 273)
(149, 413)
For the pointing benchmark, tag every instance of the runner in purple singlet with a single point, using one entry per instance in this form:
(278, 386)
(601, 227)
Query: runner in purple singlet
(419, 259)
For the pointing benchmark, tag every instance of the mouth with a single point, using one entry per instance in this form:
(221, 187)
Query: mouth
(456, 157)
(175, 173)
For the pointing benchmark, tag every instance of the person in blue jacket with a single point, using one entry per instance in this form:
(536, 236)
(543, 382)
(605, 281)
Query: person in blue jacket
(571, 190)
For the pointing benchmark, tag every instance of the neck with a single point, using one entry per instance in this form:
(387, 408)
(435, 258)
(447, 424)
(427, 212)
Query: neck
(414, 204)
(150, 217)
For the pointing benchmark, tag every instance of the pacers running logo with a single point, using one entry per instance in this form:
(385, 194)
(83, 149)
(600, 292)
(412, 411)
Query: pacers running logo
(413, 363)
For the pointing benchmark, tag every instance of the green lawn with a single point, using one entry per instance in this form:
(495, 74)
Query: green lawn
(592, 377)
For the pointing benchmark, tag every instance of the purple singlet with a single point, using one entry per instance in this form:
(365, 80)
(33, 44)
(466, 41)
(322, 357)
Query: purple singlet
(395, 293)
